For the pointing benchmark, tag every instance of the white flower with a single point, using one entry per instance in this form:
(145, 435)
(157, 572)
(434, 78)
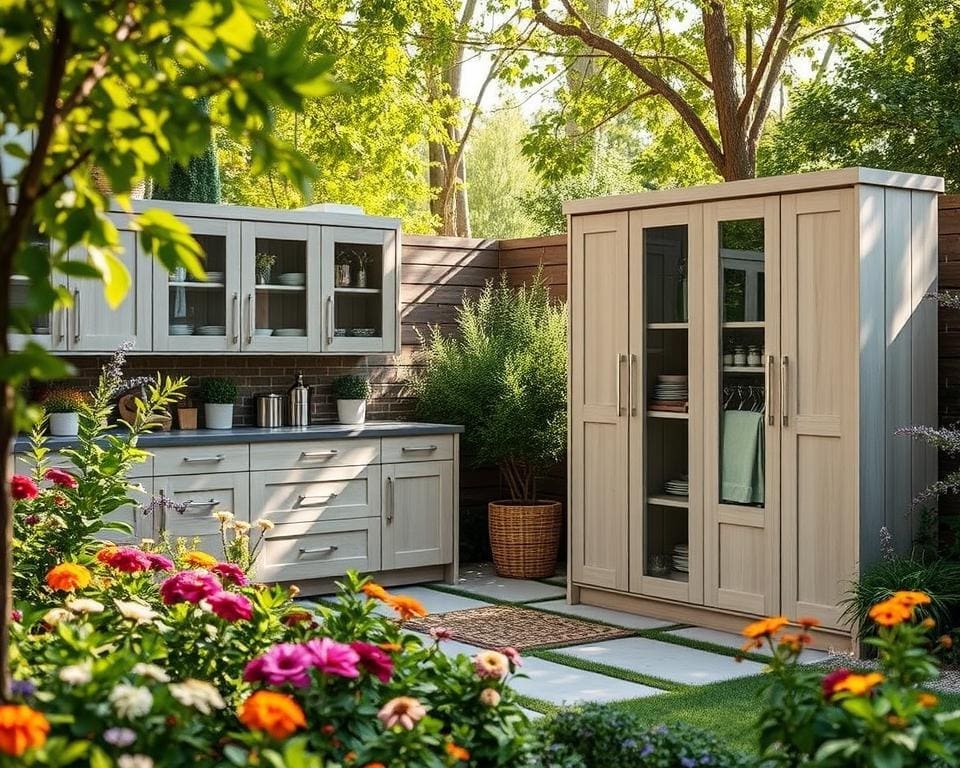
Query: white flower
(134, 761)
(265, 524)
(138, 612)
(210, 629)
(144, 543)
(197, 694)
(55, 615)
(241, 526)
(77, 674)
(85, 605)
(131, 701)
(119, 737)
(223, 516)
(151, 671)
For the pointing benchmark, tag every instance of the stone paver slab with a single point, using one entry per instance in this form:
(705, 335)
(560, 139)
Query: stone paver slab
(731, 640)
(664, 660)
(433, 600)
(588, 612)
(482, 580)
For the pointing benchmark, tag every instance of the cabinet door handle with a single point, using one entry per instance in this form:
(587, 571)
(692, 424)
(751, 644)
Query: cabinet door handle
(329, 319)
(236, 317)
(62, 324)
(319, 454)
(767, 396)
(303, 501)
(390, 499)
(634, 381)
(785, 389)
(418, 448)
(203, 459)
(204, 504)
(76, 314)
(249, 318)
(319, 550)
(621, 359)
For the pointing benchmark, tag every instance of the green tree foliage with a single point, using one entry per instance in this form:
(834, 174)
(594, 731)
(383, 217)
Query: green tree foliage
(196, 182)
(892, 105)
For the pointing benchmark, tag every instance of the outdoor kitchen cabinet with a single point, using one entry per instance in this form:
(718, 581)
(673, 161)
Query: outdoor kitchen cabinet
(416, 524)
(759, 483)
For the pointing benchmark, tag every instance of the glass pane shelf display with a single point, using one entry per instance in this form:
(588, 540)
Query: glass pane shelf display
(742, 350)
(358, 290)
(197, 307)
(41, 326)
(281, 288)
(666, 431)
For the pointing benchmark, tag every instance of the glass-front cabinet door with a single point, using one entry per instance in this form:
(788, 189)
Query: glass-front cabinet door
(281, 287)
(741, 345)
(49, 329)
(665, 403)
(191, 315)
(360, 290)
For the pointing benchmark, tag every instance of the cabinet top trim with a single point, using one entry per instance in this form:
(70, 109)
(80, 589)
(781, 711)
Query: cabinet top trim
(770, 185)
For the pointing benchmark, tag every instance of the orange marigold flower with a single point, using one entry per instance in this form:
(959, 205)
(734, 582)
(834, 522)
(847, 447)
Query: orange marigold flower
(276, 713)
(910, 599)
(765, 627)
(104, 555)
(198, 559)
(896, 721)
(21, 728)
(457, 752)
(752, 645)
(374, 765)
(945, 641)
(859, 685)
(927, 700)
(795, 642)
(375, 592)
(928, 623)
(68, 577)
(390, 647)
(808, 622)
(406, 607)
(891, 612)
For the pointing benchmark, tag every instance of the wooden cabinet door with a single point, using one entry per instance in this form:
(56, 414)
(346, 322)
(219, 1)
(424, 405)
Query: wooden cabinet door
(741, 316)
(196, 498)
(818, 411)
(95, 326)
(599, 344)
(417, 517)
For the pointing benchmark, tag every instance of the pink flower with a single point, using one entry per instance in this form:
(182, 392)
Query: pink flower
(441, 633)
(31, 519)
(284, 663)
(403, 711)
(333, 658)
(22, 488)
(189, 587)
(159, 562)
(374, 660)
(61, 478)
(230, 606)
(513, 655)
(230, 573)
(127, 559)
(16, 615)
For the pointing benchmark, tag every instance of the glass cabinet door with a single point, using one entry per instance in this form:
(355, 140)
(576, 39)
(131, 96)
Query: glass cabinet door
(742, 451)
(665, 354)
(360, 290)
(49, 329)
(192, 315)
(281, 287)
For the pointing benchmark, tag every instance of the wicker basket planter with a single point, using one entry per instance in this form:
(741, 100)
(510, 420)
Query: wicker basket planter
(525, 538)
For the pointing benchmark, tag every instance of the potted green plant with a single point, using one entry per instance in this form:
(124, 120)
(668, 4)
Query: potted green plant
(62, 406)
(218, 395)
(264, 266)
(504, 378)
(351, 393)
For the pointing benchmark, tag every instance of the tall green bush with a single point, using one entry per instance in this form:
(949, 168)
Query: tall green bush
(503, 376)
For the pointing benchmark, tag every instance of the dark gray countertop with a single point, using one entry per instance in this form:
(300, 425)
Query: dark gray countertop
(267, 435)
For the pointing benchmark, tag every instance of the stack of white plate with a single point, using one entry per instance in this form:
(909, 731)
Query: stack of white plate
(681, 558)
(215, 277)
(263, 331)
(679, 487)
(292, 278)
(212, 330)
(289, 332)
(670, 388)
(181, 329)
(366, 332)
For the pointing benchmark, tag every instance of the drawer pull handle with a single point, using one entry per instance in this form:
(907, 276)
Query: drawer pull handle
(203, 459)
(319, 454)
(205, 504)
(390, 499)
(319, 550)
(322, 500)
(417, 448)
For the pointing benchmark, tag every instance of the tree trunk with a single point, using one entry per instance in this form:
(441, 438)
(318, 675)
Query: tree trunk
(461, 200)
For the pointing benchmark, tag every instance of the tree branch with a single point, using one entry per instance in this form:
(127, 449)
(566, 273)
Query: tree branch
(618, 111)
(754, 82)
(773, 76)
(60, 175)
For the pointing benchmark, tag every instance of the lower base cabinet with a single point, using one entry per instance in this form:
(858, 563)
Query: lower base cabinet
(417, 524)
(319, 550)
(190, 503)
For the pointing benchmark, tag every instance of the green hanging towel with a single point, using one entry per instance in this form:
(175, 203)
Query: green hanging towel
(741, 467)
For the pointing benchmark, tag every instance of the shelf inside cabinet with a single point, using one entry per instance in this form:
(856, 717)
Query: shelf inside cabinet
(748, 325)
(668, 326)
(357, 290)
(667, 415)
(281, 288)
(758, 369)
(192, 284)
(666, 500)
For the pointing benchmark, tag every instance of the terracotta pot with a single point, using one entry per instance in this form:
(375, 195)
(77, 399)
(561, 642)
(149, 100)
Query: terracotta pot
(525, 538)
(187, 418)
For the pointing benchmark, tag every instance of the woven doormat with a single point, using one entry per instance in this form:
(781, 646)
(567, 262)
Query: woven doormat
(498, 626)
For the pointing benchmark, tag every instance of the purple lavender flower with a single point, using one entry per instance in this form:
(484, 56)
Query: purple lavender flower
(23, 688)
(647, 750)
(688, 762)
(119, 737)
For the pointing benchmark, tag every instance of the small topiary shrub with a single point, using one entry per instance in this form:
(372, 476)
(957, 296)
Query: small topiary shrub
(351, 388)
(64, 400)
(218, 391)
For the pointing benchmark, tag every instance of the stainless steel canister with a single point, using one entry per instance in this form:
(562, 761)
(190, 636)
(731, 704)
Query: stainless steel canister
(269, 410)
(298, 403)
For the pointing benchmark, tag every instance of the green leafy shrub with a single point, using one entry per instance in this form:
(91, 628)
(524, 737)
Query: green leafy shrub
(598, 736)
(64, 400)
(219, 391)
(351, 388)
(504, 378)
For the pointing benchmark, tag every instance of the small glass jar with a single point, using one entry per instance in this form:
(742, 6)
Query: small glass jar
(739, 356)
(753, 356)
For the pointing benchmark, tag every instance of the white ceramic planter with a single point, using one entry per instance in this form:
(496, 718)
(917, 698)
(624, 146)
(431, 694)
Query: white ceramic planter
(64, 424)
(218, 415)
(352, 411)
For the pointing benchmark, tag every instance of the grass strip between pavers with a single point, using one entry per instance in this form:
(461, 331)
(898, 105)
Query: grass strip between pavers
(591, 620)
(469, 595)
(664, 636)
(627, 675)
(542, 706)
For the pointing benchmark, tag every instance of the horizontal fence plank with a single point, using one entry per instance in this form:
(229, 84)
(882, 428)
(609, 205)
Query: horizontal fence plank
(430, 274)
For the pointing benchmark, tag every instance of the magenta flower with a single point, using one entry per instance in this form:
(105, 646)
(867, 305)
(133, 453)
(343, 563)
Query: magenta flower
(189, 587)
(127, 559)
(230, 606)
(230, 573)
(61, 478)
(513, 655)
(284, 663)
(374, 660)
(333, 658)
(159, 562)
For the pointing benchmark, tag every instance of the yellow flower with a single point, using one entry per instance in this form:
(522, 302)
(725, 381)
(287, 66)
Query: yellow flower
(198, 559)
(859, 685)
(910, 599)
(765, 627)
(890, 612)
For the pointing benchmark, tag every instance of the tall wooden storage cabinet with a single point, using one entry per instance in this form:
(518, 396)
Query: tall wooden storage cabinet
(741, 356)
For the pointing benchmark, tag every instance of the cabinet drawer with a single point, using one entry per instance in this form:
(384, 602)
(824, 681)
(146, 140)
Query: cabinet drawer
(417, 448)
(314, 453)
(201, 459)
(312, 495)
(23, 465)
(201, 496)
(303, 551)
